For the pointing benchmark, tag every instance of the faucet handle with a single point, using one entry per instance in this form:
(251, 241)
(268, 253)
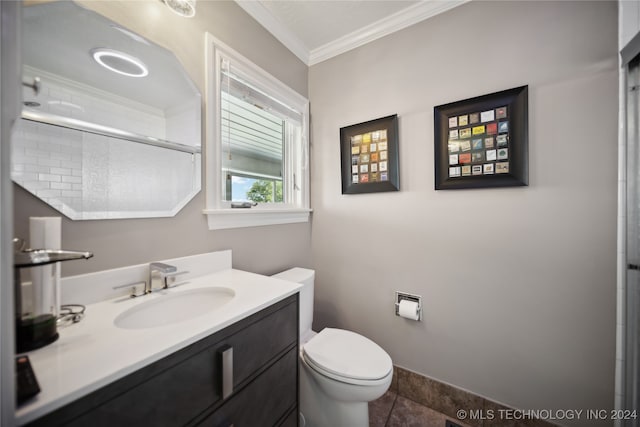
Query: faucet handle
(133, 286)
(172, 277)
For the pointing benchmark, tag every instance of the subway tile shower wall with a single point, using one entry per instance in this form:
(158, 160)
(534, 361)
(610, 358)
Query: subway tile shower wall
(84, 172)
(48, 159)
(77, 171)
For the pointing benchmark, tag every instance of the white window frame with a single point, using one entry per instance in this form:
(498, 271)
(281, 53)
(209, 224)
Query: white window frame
(219, 213)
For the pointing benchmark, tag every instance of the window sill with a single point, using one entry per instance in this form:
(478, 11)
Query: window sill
(220, 219)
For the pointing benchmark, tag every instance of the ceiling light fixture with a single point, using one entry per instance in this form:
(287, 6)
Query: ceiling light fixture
(186, 8)
(120, 62)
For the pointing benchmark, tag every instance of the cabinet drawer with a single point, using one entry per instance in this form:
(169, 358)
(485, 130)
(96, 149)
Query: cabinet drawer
(176, 390)
(257, 344)
(265, 402)
(168, 399)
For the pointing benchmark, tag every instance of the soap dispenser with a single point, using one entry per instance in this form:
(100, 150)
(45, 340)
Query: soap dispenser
(36, 311)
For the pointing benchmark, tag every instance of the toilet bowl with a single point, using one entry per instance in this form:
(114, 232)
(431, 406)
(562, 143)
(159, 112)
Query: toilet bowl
(340, 371)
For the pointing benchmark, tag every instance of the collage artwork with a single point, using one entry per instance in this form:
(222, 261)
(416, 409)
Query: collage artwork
(369, 157)
(479, 143)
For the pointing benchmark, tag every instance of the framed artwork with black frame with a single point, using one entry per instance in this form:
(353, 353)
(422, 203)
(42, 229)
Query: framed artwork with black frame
(482, 142)
(369, 156)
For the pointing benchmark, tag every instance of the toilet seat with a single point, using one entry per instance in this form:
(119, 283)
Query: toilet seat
(347, 357)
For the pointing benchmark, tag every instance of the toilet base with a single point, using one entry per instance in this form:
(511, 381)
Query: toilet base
(318, 410)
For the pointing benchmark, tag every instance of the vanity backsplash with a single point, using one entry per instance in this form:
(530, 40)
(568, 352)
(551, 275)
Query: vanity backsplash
(99, 286)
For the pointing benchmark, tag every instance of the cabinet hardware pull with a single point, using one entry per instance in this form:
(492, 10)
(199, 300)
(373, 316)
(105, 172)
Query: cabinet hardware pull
(227, 372)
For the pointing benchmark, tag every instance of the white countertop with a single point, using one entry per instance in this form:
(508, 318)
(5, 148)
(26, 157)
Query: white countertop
(94, 352)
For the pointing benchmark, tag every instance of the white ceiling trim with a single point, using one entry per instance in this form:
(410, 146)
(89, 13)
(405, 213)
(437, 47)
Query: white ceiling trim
(395, 22)
(276, 28)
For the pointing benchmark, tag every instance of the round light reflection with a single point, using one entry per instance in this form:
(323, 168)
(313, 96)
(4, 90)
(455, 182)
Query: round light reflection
(120, 62)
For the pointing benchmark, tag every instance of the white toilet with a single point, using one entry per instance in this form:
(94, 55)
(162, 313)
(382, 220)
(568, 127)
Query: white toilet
(340, 371)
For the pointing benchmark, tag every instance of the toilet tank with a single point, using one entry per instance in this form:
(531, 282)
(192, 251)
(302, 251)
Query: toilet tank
(305, 277)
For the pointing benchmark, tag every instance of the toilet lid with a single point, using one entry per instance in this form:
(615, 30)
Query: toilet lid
(347, 355)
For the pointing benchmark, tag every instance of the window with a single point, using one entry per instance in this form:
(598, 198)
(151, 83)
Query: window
(257, 144)
(251, 188)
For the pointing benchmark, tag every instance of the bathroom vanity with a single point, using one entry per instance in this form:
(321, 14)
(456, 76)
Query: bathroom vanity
(236, 365)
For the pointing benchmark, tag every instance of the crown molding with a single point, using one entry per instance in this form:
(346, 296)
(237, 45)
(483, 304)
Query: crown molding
(261, 14)
(395, 22)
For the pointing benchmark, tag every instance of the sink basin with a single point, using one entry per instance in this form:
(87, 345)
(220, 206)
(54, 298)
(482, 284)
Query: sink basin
(174, 307)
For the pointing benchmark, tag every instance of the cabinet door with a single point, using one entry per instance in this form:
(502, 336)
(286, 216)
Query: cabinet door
(267, 401)
(261, 342)
(172, 398)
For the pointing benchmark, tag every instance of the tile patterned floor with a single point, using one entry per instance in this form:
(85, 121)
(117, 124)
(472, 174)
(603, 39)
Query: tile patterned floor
(392, 410)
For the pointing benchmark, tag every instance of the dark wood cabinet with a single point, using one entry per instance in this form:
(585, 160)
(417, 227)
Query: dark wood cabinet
(265, 403)
(186, 388)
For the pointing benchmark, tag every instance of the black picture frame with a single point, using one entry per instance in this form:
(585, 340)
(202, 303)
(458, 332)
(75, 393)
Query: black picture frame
(501, 116)
(372, 149)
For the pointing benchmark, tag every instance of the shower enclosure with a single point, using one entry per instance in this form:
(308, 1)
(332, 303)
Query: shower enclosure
(628, 357)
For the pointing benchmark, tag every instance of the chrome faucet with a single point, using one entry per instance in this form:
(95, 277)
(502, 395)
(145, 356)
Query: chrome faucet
(159, 275)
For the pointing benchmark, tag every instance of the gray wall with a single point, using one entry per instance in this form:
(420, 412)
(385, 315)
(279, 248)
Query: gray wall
(518, 284)
(118, 243)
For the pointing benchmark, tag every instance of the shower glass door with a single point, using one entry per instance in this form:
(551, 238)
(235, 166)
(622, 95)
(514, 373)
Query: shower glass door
(632, 336)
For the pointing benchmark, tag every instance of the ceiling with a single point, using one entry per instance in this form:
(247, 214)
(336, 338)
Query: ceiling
(316, 30)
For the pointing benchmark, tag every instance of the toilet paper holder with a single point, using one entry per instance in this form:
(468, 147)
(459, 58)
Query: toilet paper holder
(409, 297)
